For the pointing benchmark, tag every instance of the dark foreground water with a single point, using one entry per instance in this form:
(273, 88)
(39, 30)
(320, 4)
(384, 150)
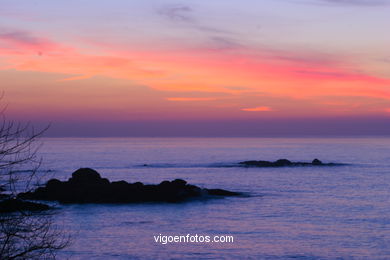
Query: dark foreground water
(292, 213)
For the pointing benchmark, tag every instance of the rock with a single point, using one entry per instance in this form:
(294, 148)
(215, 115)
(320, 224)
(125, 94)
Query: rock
(257, 163)
(53, 184)
(284, 163)
(13, 205)
(316, 162)
(179, 182)
(87, 186)
(85, 175)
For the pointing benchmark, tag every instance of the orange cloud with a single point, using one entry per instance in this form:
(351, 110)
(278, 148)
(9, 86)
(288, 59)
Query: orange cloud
(189, 70)
(257, 109)
(304, 79)
(189, 99)
(76, 78)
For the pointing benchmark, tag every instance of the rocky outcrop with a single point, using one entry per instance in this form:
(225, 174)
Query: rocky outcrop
(87, 186)
(284, 163)
(14, 205)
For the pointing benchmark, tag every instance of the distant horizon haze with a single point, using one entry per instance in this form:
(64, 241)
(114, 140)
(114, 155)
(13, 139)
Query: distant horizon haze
(291, 127)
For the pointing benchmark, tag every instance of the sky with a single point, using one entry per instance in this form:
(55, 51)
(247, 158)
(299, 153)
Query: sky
(197, 68)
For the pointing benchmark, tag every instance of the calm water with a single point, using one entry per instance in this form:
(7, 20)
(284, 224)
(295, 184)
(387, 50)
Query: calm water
(292, 213)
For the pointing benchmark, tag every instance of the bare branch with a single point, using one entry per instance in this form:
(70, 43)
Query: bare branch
(23, 234)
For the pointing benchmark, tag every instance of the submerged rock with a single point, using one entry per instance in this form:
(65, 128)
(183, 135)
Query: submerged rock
(87, 186)
(220, 192)
(284, 163)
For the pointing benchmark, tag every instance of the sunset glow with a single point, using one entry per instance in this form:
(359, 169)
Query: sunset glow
(257, 109)
(176, 61)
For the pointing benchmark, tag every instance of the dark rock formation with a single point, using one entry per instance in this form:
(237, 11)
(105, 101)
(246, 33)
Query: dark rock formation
(316, 162)
(284, 163)
(86, 186)
(13, 205)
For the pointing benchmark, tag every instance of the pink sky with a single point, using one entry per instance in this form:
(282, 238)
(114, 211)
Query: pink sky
(195, 61)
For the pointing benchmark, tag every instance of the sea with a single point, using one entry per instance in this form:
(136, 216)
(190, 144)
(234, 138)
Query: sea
(340, 212)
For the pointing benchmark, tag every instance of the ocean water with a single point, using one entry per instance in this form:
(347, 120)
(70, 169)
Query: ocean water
(291, 213)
